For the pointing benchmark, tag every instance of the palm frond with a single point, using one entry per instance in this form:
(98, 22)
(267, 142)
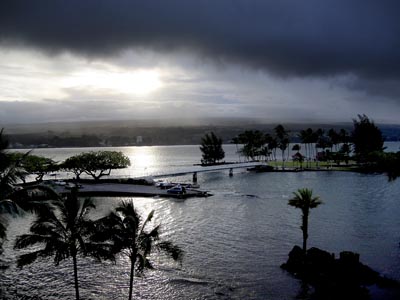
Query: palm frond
(155, 232)
(3, 228)
(28, 258)
(9, 207)
(88, 204)
(131, 224)
(142, 263)
(61, 254)
(101, 251)
(27, 240)
(148, 219)
(172, 250)
(303, 199)
(145, 244)
(42, 228)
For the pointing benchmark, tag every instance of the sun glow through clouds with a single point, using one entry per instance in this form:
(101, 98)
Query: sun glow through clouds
(134, 82)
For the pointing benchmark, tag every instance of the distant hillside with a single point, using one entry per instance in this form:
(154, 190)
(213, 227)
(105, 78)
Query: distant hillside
(130, 133)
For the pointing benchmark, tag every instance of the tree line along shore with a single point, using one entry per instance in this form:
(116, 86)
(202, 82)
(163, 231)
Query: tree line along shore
(360, 149)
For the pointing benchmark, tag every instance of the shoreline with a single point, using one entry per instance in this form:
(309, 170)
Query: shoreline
(114, 189)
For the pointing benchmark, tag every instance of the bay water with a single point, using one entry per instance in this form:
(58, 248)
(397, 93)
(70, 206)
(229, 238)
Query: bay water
(234, 241)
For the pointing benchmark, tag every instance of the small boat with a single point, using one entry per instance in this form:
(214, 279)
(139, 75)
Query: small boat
(165, 185)
(177, 190)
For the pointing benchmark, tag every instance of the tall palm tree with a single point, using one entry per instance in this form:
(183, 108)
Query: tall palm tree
(272, 145)
(9, 168)
(129, 236)
(334, 137)
(318, 136)
(304, 200)
(63, 230)
(309, 138)
(9, 175)
(282, 136)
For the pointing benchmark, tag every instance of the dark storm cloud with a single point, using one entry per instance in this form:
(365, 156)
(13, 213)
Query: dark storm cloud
(288, 37)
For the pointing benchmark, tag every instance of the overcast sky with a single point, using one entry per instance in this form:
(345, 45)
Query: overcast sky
(279, 61)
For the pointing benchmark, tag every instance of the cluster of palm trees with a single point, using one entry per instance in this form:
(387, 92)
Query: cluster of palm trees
(260, 146)
(319, 139)
(63, 230)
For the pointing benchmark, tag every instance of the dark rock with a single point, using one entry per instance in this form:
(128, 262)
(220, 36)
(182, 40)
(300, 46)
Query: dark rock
(295, 262)
(343, 278)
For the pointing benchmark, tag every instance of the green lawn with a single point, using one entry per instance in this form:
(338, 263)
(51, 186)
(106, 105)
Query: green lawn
(314, 165)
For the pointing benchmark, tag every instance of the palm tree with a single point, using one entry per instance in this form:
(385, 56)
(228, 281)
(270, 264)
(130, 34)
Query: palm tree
(282, 136)
(130, 237)
(63, 230)
(297, 156)
(272, 145)
(9, 175)
(307, 137)
(334, 137)
(318, 137)
(10, 170)
(304, 200)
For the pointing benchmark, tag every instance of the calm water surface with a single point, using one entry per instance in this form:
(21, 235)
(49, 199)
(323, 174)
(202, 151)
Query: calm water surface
(234, 241)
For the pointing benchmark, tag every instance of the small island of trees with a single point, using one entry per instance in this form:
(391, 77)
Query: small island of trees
(211, 149)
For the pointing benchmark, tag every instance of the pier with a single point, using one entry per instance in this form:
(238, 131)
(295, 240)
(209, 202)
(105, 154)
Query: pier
(210, 169)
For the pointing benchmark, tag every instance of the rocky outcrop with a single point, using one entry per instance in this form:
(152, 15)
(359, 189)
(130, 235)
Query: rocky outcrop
(334, 278)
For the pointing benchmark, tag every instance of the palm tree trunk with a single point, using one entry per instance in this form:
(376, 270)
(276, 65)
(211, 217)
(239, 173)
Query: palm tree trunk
(76, 276)
(287, 154)
(305, 232)
(133, 260)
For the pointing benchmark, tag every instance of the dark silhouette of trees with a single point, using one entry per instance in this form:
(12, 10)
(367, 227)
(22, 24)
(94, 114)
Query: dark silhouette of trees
(63, 229)
(10, 168)
(391, 164)
(36, 165)
(130, 237)
(304, 200)
(96, 164)
(272, 145)
(334, 138)
(366, 138)
(253, 142)
(298, 157)
(10, 173)
(306, 137)
(211, 149)
(283, 140)
(74, 164)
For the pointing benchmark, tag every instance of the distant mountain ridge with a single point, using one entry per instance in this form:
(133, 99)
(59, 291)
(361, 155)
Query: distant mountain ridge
(154, 132)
